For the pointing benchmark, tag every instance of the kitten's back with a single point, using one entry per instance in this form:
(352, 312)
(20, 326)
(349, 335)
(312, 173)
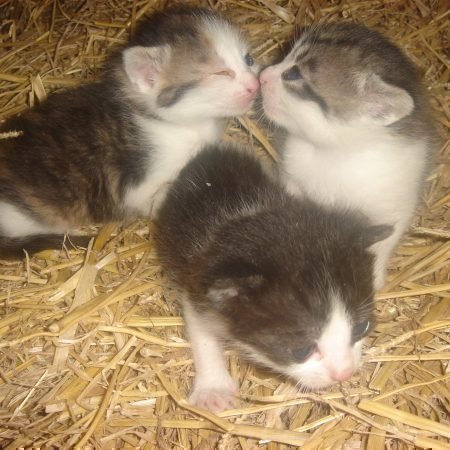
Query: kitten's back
(74, 169)
(221, 184)
(224, 204)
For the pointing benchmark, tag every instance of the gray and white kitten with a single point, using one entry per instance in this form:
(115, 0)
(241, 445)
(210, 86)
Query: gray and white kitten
(285, 281)
(358, 129)
(107, 150)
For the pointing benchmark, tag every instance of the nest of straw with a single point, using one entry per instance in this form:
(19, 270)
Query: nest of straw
(92, 346)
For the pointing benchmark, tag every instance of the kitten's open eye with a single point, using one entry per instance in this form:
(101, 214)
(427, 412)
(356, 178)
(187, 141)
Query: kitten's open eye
(360, 330)
(301, 354)
(291, 74)
(249, 60)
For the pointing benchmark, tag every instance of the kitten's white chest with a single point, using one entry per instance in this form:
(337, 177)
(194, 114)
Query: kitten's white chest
(378, 178)
(171, 146)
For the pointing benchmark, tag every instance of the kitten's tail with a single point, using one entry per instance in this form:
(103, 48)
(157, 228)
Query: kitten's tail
(13, 248)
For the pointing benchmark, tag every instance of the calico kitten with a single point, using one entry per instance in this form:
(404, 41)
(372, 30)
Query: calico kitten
(108, 150)
(358, 130)
(284, 280)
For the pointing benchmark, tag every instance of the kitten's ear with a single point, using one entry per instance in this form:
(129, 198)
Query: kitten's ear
(376, 233)
(143, 65)
(384, 103)
(224, 290)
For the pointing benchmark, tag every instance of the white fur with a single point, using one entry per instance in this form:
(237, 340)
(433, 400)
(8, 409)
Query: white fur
(358, 163)
(15, 223)
(339, 356)
(227, 40)
(172, 147)
(213, 389)
(381, 178)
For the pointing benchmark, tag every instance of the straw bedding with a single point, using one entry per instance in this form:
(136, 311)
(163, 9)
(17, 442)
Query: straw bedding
(92, 346)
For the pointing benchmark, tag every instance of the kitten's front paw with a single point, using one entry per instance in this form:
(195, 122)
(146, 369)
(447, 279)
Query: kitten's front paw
(214, 398)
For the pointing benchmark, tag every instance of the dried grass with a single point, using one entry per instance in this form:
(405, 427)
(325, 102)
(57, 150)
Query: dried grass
(92, 348)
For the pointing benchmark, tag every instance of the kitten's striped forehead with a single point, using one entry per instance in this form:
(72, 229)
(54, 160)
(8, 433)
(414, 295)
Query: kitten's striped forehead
(210, 34)
(195, 29)
(342, 37)
(207, 38)
(208, 45)
(224, 36)
(299, 51)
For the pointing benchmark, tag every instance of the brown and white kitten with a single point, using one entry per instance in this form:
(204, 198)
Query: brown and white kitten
(108, 150)
(285, 281)
(358, 129)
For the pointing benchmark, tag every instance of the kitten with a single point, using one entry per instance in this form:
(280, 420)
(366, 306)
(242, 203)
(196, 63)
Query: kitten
(284, 280)
(358, 130)
(107, 151)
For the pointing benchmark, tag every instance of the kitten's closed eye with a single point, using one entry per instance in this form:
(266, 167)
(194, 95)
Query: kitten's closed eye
(291, 74)
(226, 73)
(360, 330)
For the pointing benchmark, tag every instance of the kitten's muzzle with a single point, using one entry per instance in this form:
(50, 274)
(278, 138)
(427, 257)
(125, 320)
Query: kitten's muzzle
(267, 76)
(341, 374)
(339, 368)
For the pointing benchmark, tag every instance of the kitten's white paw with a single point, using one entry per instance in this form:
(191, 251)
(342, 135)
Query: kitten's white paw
(215, 398)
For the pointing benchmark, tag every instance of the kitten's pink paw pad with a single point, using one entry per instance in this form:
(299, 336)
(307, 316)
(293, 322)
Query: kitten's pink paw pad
(214, 400)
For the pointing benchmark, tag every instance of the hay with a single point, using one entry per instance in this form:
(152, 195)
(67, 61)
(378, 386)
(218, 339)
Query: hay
(92, 349)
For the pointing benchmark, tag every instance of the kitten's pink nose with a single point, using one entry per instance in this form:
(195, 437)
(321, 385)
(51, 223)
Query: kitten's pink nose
(339, 363)
(341, 374)
(252, 85)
